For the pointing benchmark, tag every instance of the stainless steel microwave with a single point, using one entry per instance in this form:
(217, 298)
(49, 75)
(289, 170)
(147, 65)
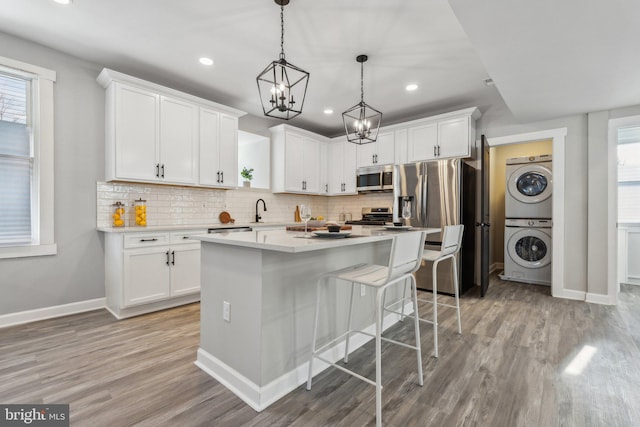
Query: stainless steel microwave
(375, 178)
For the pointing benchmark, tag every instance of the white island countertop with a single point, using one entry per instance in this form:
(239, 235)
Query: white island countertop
(294, 241)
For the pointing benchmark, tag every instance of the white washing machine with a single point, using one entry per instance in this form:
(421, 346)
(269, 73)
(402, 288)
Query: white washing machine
(527, 251)
(529, 184)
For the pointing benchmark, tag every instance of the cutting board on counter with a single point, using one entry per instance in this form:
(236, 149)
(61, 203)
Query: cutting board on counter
(301, 228)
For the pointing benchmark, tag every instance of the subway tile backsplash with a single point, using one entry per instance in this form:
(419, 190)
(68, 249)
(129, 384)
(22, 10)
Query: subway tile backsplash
(169, 205)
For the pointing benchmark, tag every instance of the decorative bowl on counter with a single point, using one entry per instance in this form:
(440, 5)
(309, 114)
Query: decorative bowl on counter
(334, 228)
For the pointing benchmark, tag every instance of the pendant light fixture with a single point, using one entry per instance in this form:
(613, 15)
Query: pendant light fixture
(282, 86)
(362, 121)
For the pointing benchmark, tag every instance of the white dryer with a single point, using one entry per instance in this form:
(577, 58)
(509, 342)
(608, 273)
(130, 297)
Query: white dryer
(529, 185)
(527, 251)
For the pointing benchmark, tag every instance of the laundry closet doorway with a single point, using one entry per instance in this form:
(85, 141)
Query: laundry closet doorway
(497, 185)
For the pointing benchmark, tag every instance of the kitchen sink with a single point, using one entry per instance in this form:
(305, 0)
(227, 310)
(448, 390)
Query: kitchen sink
(228, 229)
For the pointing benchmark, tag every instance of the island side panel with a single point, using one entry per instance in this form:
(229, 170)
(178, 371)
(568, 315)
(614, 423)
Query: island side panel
(232, 274)
(288, 302)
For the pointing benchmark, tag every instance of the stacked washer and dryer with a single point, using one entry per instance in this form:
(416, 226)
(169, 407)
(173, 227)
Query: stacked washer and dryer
(527, 231)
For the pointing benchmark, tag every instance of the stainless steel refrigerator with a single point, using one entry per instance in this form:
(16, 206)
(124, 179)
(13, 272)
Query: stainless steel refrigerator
(441, 192)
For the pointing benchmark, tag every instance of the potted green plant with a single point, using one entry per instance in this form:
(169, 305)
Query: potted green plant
(247, 174)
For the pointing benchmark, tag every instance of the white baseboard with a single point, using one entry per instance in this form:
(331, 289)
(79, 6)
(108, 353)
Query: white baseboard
(599, 299)
(570, 294)
(28, 316)
(260, 397)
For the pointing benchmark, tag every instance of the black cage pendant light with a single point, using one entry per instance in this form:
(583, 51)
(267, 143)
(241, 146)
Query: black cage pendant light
(282, 86)
(362, 121)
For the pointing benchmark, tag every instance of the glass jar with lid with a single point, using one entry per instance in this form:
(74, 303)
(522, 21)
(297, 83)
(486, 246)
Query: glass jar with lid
(140, 210)
(118, 214)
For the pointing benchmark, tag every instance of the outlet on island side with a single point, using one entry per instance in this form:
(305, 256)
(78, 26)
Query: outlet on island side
(363, 290)
(226, 311)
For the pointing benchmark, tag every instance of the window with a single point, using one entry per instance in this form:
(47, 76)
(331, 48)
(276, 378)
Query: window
(629, 174)
(26, 160)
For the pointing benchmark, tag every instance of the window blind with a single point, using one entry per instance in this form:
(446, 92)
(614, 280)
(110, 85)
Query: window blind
(629, 175)
(16, 161)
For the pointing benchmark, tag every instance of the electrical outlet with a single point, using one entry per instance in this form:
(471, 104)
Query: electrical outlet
(363, 290)
(226, 311)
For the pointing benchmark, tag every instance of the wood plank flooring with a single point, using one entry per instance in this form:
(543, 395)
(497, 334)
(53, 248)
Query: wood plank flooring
(508, 368)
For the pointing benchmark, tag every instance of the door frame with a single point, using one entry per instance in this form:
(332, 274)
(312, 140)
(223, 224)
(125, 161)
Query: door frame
(557, 234)
(613, 281)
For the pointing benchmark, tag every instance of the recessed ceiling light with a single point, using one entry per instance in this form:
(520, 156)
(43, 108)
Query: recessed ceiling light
(411, 87)
(63, 1)
(328, 111)
(206, 61)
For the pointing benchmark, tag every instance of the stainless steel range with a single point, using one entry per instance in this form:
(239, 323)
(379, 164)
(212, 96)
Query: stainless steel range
(374, 216)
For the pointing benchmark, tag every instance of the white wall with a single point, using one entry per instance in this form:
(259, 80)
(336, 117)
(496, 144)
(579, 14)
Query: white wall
(76, 273)
(254, 153)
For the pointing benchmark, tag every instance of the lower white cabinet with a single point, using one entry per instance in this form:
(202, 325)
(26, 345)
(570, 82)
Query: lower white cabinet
(151, 271)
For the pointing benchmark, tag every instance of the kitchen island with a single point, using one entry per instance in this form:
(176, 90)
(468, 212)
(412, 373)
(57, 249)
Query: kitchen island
(257, 303)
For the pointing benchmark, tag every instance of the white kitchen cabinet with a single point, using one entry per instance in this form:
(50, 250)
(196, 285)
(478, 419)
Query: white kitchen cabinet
(341, 168)
(453, 137)
(324, 169)
(440, 137)
(218, 149)
(380, 152)
(178, 142)
(422, 142)
(132, 133)
(296, 158)
(148, 271)
(154, 138)
(185, 269)
(146, 275)
(153, 134)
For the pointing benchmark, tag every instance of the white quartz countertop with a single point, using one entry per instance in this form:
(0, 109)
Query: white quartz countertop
(194, 227)
(294, 241)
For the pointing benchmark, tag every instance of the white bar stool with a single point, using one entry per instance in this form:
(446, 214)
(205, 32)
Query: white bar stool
(451, 242)
(404, 260)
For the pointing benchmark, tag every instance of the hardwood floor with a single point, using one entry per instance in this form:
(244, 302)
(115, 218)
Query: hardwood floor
(516, 364)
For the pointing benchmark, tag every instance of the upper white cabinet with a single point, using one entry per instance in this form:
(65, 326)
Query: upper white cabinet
(155, 134)
(341, 167)
(380, 152)
(178, 142)
(444, 136)
(218, 149)
(296, 157)
(422, 142)
(133, 117)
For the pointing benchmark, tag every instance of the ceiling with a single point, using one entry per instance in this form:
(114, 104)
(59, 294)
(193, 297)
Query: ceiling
(546, 59)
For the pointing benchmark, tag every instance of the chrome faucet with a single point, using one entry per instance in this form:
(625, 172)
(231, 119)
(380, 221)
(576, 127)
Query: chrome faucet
(258, 217)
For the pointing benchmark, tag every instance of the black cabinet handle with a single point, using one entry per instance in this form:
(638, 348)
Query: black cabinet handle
(222, 177)
(157, 170)
(162, 174)
(185, 237)
(173, 254)
(149, 240)
(167, 253)
(218, 180)
(438, 151)
(434, 151)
